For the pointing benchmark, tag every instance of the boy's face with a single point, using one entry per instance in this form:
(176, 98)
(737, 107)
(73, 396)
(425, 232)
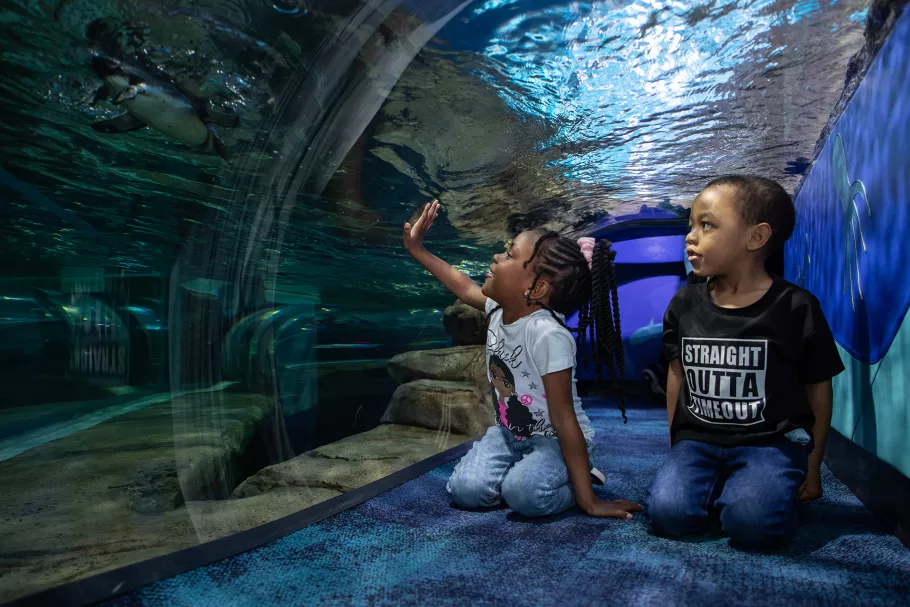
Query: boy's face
(508, 279)
(718, 238)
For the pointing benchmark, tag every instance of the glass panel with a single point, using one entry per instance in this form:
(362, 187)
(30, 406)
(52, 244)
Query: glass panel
(202, 280)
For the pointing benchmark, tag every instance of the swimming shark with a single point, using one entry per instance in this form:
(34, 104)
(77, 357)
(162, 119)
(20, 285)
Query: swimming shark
(649, 331)
(156, 101)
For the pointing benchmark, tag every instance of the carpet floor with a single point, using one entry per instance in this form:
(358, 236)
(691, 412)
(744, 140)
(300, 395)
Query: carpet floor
(410, 546)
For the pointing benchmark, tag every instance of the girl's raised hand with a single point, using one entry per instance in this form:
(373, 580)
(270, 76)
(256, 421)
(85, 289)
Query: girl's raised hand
(413, 235)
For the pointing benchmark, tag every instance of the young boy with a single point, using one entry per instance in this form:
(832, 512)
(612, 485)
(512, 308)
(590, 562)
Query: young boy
(751, 362)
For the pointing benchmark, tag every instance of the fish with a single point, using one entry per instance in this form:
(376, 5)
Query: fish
(847, 191)
(156, 101)
(647, 332)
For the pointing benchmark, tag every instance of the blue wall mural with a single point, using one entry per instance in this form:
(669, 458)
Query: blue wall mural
(852, 210)
(849, 249)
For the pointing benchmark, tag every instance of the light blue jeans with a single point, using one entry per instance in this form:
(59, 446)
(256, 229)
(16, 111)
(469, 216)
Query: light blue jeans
(530, 475)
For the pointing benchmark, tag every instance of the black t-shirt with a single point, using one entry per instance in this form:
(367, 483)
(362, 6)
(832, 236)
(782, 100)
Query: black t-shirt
(745, 368)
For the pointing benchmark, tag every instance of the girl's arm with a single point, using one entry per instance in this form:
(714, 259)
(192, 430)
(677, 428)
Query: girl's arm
(459, 283)
(558, 388)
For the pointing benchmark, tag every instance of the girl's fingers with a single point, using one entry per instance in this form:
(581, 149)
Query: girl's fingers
(429, 215)
(418, 225)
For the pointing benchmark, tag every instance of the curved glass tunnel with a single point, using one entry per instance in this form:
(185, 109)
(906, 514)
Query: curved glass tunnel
(208, 323)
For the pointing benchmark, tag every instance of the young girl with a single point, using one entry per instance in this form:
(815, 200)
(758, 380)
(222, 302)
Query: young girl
(536, 457)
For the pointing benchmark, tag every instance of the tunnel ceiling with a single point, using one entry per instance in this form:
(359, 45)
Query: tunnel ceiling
(568, 111)
(516, 113)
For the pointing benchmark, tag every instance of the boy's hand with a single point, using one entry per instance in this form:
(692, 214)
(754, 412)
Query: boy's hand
(615, 509)
(811, 489)
(413, 235)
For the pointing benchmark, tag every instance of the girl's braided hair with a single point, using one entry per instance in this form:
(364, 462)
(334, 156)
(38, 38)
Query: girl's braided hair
(593, 292)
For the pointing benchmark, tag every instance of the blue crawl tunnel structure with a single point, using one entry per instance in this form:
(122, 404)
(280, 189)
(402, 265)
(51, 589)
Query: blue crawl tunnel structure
(225, 381)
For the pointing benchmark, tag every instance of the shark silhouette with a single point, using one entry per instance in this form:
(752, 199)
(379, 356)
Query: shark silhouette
(853, 230)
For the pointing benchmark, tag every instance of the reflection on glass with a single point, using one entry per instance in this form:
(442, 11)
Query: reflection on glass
(189, 347)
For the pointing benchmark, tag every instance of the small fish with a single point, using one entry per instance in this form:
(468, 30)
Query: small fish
(156, 101)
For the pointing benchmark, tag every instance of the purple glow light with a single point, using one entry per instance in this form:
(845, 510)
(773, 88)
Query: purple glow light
(654, 249)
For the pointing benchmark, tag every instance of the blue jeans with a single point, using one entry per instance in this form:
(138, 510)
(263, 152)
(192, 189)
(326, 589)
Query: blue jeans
(530, 475)
(754, 490)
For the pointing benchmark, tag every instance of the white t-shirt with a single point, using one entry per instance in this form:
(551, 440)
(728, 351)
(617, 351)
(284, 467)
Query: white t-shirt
(518, 356)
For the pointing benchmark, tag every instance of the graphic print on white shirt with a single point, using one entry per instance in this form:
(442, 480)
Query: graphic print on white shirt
(511, 410)
(518, 355)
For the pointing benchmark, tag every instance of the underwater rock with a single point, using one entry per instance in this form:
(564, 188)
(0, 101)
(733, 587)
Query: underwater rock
(461, 363)
(445, 406)
(209, 456)
(351, 462)
(436, 128)
(108, 495)
(465, 325)
(155, 488)
(213, 519)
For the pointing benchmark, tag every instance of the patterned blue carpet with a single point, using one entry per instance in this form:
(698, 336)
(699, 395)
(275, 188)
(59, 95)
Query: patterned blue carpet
(411, 547)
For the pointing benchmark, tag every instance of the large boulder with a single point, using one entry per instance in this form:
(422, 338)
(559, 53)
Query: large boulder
(465, 325)
(349, 463)
(446, 406)
(461, 363)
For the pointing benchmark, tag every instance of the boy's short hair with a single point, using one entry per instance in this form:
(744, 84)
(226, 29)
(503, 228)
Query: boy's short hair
(762, 200)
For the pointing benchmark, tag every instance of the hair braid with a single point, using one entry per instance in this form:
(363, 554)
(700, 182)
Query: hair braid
(592, 291)
(601, 316)
(617, 337)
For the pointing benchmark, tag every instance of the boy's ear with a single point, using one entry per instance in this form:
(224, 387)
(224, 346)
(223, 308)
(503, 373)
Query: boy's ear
(759, 236)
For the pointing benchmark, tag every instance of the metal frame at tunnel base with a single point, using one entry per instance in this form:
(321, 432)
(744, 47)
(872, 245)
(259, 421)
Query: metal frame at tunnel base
(117, 582)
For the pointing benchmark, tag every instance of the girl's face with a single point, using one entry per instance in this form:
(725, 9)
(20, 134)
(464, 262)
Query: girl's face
(508, 280)
(499, 381)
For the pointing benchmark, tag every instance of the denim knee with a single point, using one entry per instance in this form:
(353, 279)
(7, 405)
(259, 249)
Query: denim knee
(472, 491)
(529, 495)
(749, 524)
(671, 513)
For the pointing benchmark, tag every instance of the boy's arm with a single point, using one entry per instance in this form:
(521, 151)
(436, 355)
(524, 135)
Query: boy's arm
(671, 340)
(674, 382)
(821, 397)
(459, 283)
(558, 388)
